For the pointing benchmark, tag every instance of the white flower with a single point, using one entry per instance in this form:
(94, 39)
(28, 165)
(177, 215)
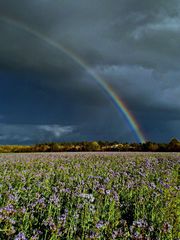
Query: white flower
(89, 197)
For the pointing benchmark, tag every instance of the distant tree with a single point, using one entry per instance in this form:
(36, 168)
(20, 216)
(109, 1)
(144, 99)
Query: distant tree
(150, 146)
(54, 147)
(162, 147)
(136, 147)
(153, 147)
(174, 145)
(93, 146)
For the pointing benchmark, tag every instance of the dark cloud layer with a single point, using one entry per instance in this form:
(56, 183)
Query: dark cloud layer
(132, 44)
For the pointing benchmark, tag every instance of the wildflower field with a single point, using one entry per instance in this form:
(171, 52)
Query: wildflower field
(53, 196)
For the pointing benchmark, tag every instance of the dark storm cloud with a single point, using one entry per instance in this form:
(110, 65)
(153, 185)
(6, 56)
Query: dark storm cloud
(28, 133)
(131, 44)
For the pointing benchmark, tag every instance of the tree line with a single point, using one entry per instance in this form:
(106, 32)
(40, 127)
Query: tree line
(104, 146)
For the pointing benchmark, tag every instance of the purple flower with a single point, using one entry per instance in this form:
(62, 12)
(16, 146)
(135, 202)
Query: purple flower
(50, 222)
(62, 217)
(13, 198)
(20, 236)
(117, 233)
(92, 234)
(106, 180)
(108, 192)
(167, 227)
(41, 200)
(54, 199)
(100, 224)
(152, 185)
(9, 209)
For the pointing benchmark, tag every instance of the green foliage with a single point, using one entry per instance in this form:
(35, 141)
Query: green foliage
(173, 146)
(92, 146)
(89, 196)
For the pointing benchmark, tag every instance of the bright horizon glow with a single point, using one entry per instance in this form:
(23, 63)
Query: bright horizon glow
(115, 99)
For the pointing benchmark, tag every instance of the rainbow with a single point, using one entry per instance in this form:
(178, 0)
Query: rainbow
(115, 99)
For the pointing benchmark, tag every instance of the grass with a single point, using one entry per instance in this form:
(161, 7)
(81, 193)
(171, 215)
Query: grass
(90, 196)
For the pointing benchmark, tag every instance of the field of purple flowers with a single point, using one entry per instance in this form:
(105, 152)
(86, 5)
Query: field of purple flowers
(90, 196)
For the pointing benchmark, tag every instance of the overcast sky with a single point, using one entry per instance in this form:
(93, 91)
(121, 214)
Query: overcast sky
(47, 96)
